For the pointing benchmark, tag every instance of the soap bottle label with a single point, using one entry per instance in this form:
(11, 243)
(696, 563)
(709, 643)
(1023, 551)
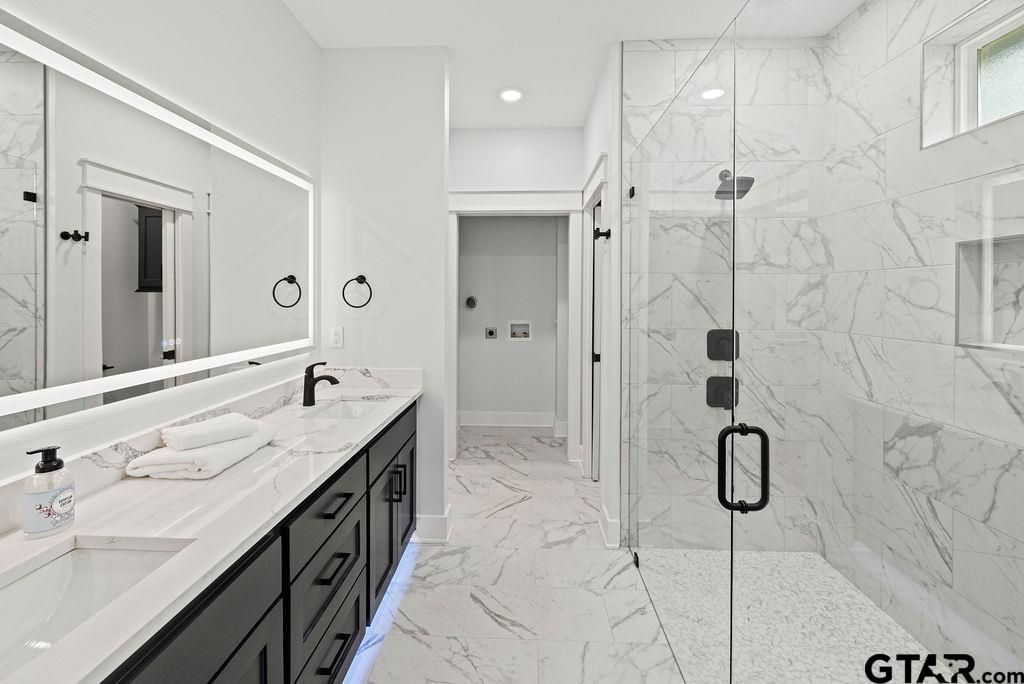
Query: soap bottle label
(45, 511)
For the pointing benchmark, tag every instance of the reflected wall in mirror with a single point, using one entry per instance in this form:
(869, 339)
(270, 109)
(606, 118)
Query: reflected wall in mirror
(22, 240)
(128, 244)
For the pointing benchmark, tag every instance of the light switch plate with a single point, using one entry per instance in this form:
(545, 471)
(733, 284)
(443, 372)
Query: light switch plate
(337, 337)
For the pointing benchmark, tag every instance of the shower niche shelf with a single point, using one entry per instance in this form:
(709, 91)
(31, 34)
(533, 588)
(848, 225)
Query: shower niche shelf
(990, 293)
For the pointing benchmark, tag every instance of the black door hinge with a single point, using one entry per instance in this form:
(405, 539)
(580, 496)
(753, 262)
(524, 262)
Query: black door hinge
(29, 196)
(632, 191)
(595, 357)
(602, 233)
(636, 559)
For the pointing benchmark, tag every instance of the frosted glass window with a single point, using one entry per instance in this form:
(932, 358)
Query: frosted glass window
(1001, 77)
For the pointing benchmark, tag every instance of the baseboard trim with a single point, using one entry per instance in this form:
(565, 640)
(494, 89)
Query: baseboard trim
(609, 529)
(433, 529)
(561, 428)
(506, 418)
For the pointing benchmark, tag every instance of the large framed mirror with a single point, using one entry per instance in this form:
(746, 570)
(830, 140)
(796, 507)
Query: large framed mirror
(140, 247)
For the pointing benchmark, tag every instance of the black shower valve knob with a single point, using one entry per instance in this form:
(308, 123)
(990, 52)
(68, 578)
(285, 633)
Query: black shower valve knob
(75, 236)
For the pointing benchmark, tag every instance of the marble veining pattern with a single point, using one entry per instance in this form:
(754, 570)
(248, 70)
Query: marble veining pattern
(906, 449)
(21, 226)
(525, 590)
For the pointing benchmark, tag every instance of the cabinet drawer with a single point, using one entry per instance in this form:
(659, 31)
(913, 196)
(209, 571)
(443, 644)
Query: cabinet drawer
(333, 655)
(390, 442)
(323, 585)
(202, 637)
(315, 523)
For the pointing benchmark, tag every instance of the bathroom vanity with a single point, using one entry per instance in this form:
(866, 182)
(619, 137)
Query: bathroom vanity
(267, 572)
(299, 600)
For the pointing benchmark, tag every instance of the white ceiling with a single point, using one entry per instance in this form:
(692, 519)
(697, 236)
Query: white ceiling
(551, 49)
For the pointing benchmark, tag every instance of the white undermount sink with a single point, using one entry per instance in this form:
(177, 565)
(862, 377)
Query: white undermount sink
(47, 596)
(351, 409)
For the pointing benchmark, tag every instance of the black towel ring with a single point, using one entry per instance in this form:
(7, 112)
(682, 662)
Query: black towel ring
(291, 280)
(361, 279)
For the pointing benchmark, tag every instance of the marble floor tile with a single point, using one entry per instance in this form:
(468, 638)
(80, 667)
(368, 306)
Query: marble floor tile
(590, 569)
(424, 610)
(525, 567)
(632, 616)
(540, 534)
(454, 660)
(537, 613)
(606, 663)
(447, 564)
(496, 505)
(564, 508)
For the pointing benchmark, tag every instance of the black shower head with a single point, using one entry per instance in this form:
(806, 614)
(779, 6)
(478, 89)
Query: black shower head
(725, 188)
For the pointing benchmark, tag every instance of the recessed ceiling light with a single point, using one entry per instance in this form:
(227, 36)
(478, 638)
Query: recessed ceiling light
(510, 95)
(712, 94)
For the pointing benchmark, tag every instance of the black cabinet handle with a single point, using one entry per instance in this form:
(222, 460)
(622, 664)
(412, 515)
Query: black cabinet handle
(329, 580)
(723, 497)
(394, 491)
(332, 514)
(331, 669)
(402, 490)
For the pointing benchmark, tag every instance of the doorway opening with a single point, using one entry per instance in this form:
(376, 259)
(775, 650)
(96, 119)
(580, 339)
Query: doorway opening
(513, 322)
(137, 292)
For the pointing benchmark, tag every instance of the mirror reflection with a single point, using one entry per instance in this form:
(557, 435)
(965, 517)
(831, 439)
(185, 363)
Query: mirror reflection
(127, 244)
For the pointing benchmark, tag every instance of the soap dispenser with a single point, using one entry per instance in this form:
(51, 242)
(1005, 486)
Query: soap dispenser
(49, 496)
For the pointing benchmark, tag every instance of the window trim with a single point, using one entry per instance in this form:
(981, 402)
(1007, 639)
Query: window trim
(967, 109)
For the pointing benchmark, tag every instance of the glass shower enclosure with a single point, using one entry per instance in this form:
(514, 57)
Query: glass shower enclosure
(779, 388)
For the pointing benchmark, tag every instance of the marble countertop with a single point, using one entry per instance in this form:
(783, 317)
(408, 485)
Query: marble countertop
(225, 516)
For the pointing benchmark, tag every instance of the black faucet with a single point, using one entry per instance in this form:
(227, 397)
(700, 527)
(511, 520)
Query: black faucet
(310, 381)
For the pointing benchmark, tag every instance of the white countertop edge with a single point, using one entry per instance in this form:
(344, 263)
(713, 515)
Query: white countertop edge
(99, 645)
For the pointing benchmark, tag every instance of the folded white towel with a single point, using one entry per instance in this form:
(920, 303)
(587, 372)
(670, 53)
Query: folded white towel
(213, 431)
(201, 463)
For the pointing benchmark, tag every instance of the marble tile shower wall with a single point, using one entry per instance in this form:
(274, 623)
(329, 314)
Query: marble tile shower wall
(925, 439)
(901, 454)
(21, 228)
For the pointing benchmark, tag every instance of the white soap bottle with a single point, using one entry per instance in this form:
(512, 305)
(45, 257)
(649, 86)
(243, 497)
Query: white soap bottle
(48, 501)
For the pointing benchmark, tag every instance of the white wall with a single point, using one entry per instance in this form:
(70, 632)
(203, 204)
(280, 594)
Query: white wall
(516, 159)
(599, 130)
(511, 265)
(385, 215)
(258, 235)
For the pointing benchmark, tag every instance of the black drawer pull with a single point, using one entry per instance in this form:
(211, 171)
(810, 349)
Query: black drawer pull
(329, 581)
(331, 669)
(331, 515)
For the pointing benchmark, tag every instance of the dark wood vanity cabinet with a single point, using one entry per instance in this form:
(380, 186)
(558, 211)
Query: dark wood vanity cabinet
(391, 504)
(295, 607)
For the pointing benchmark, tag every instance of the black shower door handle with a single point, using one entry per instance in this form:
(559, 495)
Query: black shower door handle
(743, 430)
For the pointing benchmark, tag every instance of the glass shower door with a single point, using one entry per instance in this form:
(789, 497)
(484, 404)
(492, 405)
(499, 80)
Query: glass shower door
(679, 269)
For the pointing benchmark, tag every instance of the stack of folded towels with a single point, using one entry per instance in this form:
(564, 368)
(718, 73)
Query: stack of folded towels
(201, 450)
